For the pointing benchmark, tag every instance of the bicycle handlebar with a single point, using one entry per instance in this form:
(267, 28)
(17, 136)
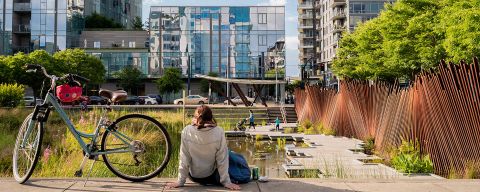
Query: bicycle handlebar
(35, 67)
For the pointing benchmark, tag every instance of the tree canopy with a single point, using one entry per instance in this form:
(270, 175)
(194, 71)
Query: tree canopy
(96, 20)
(67, 61)
(410, 36)
(170, 82)
(137, 23)
(129, 78)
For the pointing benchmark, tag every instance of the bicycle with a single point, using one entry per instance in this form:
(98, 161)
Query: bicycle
(134, 147)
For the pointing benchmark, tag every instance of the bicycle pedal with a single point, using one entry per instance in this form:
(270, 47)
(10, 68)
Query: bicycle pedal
(78, 173)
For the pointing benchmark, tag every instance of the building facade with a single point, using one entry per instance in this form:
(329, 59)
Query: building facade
(332, 18)
(52, 25)
(233, 42)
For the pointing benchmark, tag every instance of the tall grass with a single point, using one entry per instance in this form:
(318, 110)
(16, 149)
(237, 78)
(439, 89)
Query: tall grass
(62, 155)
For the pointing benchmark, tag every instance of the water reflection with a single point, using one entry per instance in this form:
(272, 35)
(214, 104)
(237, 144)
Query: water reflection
(268, 156)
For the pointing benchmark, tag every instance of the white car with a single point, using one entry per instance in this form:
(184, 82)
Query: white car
(28, 100)
(191, 100)
(149, 100)
(238, 100)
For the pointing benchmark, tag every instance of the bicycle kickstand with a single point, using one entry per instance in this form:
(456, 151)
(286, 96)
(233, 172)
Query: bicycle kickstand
(90, 171)
(79, 173)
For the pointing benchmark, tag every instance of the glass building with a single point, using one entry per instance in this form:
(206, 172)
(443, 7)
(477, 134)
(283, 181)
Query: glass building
(52, 25)
(232, 42)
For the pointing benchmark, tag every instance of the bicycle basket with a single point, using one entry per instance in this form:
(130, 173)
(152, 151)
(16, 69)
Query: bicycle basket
(67, 94)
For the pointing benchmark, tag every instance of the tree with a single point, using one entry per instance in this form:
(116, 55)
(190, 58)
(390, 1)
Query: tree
(205, 84)
(129, 79)
(137, 23)
(78, 62)
(410, 36)
(96, 20)
(170, 82)
(290, 87)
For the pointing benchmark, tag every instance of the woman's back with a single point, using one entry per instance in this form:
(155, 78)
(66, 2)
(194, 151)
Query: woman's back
(202, 146)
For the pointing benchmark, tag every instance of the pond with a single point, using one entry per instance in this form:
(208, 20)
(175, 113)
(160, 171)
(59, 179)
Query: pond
(267, 155)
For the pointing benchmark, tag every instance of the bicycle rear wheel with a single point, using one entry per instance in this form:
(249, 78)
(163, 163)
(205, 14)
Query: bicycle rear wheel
(26, 157)
(149, 147)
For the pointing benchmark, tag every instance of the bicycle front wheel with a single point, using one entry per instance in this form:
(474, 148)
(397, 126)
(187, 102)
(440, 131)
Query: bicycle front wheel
(27, 149)
(137, 147)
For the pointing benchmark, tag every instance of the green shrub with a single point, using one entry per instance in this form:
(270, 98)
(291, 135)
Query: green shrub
(329, 131)
(472, 170)
(369, 146)
(304, 125)
(11, 95)
(407, 159)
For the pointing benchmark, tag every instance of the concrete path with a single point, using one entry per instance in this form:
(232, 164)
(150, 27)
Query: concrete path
(276, 185)
(335, 157)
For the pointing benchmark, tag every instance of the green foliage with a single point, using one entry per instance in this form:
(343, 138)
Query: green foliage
(304, 125)
(11, 95)
(99, 21)
(67, 61)
(281, 142)
(129, 78)
(271, 73)
(170, 82)
(137, 23)
(407, 159)
(472, 170)
(292, 86)
(410, 36)
(78, 62)
(329, 131)
(369, 146)
(204, 84)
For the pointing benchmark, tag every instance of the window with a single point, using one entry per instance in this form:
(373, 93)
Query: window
(131, 44)
(262, 18)
(96, 44)
(262, 40)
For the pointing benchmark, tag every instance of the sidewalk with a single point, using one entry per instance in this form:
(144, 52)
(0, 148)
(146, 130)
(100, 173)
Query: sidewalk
(275, 185)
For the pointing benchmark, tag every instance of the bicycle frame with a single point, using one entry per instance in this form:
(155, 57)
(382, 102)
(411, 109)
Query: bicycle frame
(51, 100)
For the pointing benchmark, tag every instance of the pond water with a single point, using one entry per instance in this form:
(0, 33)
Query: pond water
(268, 155)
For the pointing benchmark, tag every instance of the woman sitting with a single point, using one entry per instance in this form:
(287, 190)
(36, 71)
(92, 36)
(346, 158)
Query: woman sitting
(203, 153)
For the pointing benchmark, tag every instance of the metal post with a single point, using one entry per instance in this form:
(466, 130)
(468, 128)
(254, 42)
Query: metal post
(276, 82)
(228, 72)
(183, 107)
(189, 71)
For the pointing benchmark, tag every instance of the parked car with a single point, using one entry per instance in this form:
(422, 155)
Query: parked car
(28, 100)
(97, 100)
(191, 100)
(149, 100)
(133, 100)
(158, 98)
(238, 100)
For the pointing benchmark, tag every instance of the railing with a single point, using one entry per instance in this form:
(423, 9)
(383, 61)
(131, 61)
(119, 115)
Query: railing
(22, 7)
(306, 5)
(21, 28)
(24, 49)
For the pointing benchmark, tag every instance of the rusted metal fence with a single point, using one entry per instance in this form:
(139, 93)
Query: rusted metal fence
(441, 110)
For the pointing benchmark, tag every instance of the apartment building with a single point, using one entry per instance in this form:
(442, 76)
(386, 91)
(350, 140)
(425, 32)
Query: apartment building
(332, 19)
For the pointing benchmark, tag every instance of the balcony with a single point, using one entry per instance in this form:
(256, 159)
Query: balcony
(22, 7)
(305, 26)
(339, 15)
(338, 29)
(305, 36)
(305, 46)
(305, 16)
(24, 49)
(21, 29)
(305, 5)
(337, 3)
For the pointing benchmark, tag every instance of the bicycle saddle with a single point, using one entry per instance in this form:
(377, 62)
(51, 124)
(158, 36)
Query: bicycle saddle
(114, 96)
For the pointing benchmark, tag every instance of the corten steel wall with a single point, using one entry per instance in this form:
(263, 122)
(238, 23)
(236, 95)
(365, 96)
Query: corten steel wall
(441, 110)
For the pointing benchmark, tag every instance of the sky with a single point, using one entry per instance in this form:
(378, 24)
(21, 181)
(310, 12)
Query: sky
(291, 21)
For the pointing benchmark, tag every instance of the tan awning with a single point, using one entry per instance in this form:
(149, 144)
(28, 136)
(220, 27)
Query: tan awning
(241, 81)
